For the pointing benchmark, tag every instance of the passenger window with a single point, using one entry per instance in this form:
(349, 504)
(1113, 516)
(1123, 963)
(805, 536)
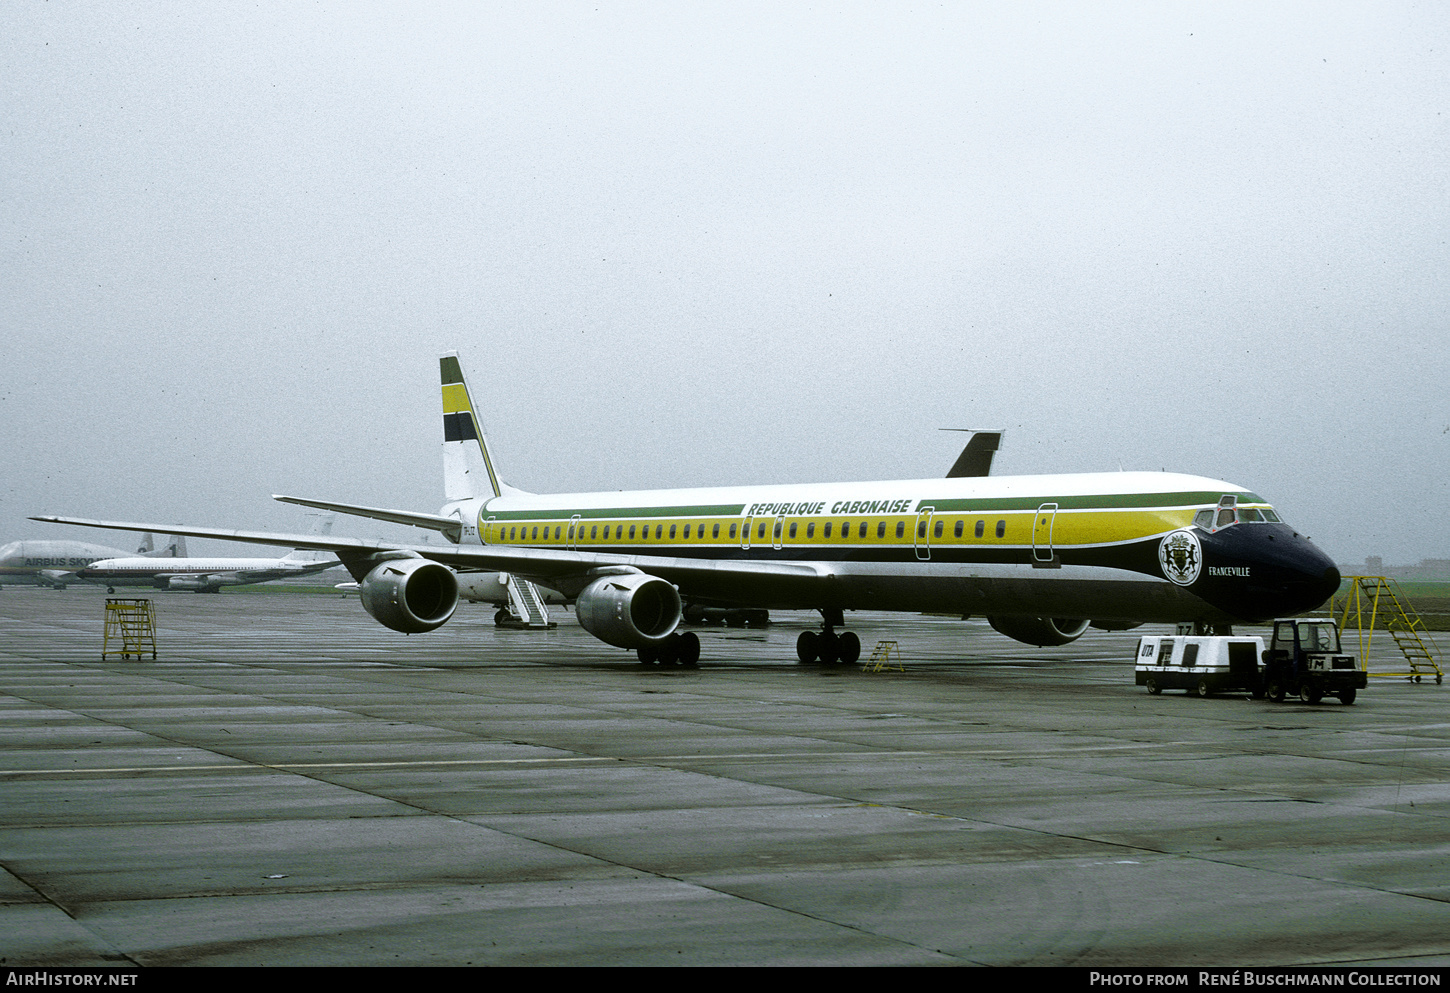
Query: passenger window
(761, 532)
(792, 529)
(900, 529)
(981, 528)
(880, 529)
(593, 530)
(631, 532)
(556, 534)
(810, 530)
(936, 531)
(846, 528)
(957, 531)
(536, 531)
(826, 531)
(732, 532)
(672, 532)
(512, 534)
(687, 530)
(715, 531)
(659, 530)
(863, 529)
(1001, 528)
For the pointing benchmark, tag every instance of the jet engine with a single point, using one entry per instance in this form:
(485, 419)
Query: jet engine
(629, 610)
(1040, 631)
(411, 595)
(197, 584)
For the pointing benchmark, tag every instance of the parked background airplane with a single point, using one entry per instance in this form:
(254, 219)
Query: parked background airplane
(55, 563)
(206, 574)
(203, 575)
(1042, 557)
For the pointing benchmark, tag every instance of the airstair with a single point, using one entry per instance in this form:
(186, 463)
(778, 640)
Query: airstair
(1373, 601)
(527, 603)
(130, 627)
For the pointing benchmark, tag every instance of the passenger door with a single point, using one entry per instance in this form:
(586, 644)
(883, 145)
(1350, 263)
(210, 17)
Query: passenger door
(1042, 534)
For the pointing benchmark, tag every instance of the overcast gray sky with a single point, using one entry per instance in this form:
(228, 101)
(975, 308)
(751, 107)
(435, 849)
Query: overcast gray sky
(696, 244)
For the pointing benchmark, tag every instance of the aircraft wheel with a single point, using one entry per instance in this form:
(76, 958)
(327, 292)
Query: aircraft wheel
(1151, 685)
(1346, 696)
(689, 648)
(806, 647)
(1203, 689)
(500, 617)
(648, 655)
(110, 589)
(830, 648)
(850, 647)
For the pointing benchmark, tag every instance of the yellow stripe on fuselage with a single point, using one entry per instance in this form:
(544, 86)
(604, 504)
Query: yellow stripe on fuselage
(1070, 528)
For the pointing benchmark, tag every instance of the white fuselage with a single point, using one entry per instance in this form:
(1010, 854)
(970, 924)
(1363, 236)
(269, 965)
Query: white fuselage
(196, 573)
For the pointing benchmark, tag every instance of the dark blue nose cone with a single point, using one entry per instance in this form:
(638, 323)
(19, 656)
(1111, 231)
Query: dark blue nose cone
(1257, 572)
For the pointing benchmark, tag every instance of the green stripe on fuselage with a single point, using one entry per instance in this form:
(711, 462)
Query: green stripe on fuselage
(597, 514)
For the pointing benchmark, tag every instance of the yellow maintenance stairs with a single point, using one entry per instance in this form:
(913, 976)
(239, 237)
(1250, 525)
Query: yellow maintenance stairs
(130, 629)
(1374, 601)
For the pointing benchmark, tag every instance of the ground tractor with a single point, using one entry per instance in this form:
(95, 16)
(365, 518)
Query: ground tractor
(1304, 660)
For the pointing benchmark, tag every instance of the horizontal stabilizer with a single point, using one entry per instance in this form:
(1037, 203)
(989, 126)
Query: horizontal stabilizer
(449, 527)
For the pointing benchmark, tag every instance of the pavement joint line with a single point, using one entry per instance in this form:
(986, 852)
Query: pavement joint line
(243, 764)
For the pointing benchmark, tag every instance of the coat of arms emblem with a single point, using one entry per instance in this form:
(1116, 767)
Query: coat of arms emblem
(1180, 557)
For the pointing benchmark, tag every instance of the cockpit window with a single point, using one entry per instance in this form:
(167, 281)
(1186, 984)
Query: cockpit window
(1204, 519)
(1250, 515)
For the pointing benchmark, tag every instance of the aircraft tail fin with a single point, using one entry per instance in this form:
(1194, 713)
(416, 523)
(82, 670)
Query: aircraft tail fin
(321, 527)
(305, 555)
(175, 548)
(468, 467)
(976, 458)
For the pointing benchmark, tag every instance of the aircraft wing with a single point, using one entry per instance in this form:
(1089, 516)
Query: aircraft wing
(727, 580)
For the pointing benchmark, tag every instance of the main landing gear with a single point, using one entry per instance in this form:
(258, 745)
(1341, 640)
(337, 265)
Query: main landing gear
(677, 649)
(826, 645)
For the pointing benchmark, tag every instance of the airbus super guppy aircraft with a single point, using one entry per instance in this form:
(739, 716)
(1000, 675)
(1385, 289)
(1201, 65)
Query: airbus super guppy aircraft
(47, 562)
(1042, 557)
